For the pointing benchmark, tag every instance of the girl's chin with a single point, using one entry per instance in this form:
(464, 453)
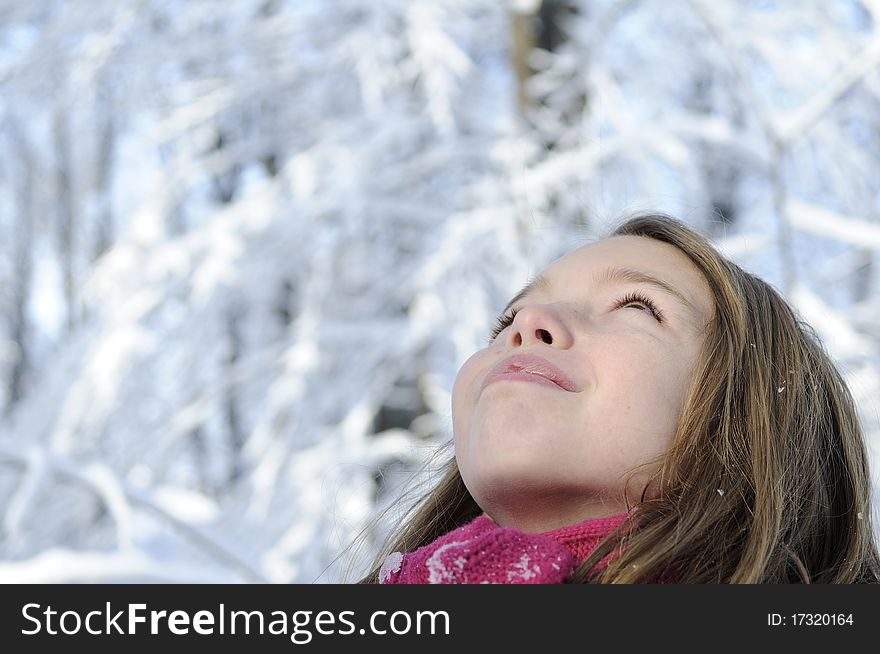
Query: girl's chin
(505, 484)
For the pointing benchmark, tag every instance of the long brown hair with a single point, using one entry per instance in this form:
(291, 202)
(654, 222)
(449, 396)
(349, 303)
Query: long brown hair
(767, 478)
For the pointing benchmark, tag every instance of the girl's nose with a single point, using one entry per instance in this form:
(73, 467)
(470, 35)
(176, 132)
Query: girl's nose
(538, 324)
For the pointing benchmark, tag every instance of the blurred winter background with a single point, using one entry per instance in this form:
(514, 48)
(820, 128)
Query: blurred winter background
(246, 244)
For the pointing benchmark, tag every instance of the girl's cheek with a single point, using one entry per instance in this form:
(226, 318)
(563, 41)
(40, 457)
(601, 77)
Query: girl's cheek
(465, 381)
(459, 383)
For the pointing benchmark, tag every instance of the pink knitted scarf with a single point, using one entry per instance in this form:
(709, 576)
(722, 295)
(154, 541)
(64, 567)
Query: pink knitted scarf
(482, 552)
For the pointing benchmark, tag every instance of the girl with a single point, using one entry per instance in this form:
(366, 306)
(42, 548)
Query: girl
(646, 411)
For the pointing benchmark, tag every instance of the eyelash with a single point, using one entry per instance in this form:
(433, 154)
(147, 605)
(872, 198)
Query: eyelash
(505, 320)
(636, 296)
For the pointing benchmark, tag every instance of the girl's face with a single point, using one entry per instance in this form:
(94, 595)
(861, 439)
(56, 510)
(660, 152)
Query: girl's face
(583, 385)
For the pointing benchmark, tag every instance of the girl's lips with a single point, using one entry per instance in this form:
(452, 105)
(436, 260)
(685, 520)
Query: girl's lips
(530, 368)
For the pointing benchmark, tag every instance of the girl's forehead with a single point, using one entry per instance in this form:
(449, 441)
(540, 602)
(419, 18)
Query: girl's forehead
(632, 252)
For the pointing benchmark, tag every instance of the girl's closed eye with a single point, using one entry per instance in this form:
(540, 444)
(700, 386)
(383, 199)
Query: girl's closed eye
(504, 321)
(636, 297)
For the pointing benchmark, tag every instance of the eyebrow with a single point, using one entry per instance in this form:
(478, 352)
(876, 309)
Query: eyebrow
(610, 276)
